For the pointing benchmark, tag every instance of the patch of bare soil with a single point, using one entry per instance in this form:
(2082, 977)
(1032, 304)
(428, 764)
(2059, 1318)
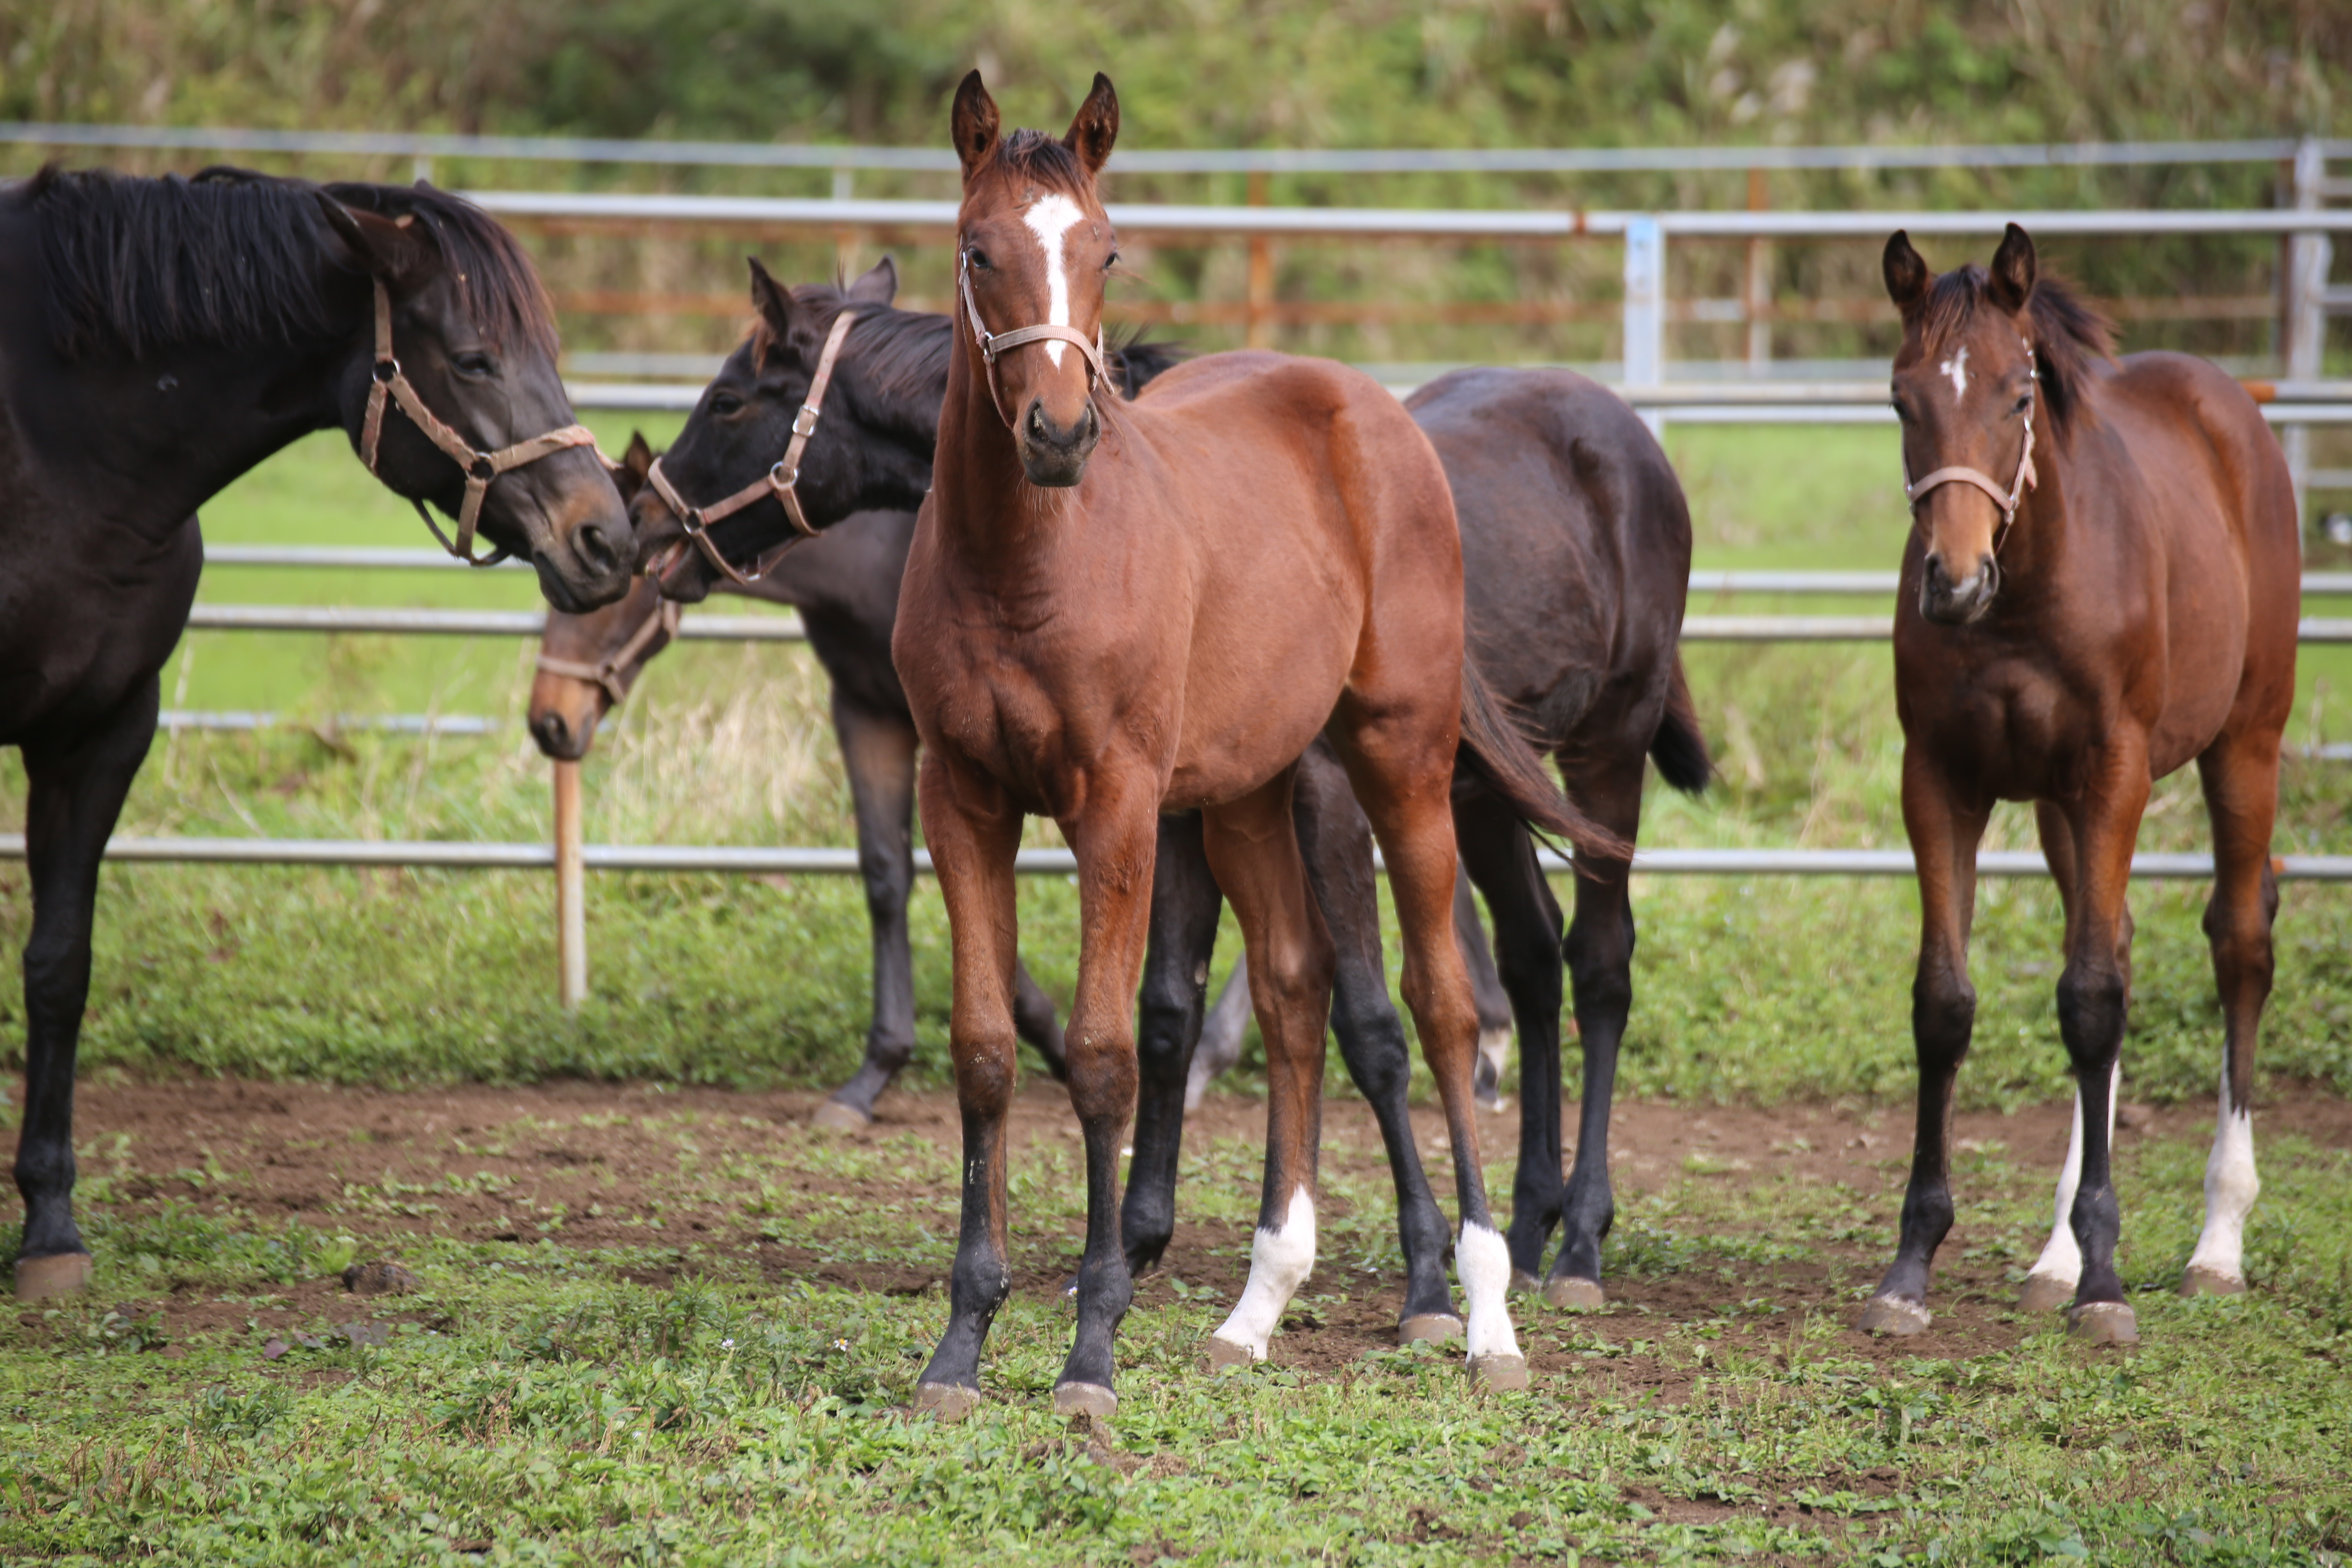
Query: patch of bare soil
(618, 1159)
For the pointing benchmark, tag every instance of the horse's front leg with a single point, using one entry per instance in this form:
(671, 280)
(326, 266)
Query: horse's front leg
(1944, 828)
(2094, 999)
(1116, 842)
(75, 792)
(879, 750)
(974, 832)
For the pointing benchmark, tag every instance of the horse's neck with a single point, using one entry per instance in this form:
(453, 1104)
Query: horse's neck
(989, 515)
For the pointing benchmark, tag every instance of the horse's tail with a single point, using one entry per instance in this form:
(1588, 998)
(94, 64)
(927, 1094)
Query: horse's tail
(1678, 748)
(1493, 749)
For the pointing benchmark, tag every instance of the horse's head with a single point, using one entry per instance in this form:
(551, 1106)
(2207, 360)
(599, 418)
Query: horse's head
(1965, 390)
(864, 441)
(587, 663)
(1035, 249)
(471, 337)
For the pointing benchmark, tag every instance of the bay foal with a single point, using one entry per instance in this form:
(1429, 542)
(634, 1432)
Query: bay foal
(1115, 610)
(2101, 584)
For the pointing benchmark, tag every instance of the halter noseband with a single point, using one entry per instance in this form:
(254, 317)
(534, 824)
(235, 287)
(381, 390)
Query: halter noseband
(389, 384)
(782, 480)
(992, 344)
(607, 671)
(1916, 489)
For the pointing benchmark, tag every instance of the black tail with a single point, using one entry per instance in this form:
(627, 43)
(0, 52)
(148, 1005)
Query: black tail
(1493, 749)
(1678, 749)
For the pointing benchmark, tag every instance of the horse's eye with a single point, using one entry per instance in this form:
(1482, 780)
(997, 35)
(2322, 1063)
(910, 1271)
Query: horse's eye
(476, 364)
(725, 403)
(978, 258)
(2024, 403)
(1110, 261)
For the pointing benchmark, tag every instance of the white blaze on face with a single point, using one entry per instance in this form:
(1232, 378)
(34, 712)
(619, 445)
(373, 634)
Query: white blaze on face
(1051, 218)
(1957, 367)
(1280, 1260)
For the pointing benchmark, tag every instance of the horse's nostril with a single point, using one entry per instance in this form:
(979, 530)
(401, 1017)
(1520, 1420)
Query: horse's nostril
(588, 542)
(550, 731)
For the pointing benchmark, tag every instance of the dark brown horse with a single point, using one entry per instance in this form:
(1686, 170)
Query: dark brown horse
(158, 338)
(1111, 611)
(1576, 558)
(846, 586)
(2100, 585)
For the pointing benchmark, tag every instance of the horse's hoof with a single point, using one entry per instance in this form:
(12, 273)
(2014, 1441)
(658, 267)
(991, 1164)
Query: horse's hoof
(2103, 1323)
(948, 1402)
(1570, 1294)
(835, 1117)
(1492, 1104)
(1525, 1284)
(2203, 1281)
(2044, 1293)
(1894, 1315)
(59, 1274)
(1429, 1328)
(1089, 1399)
(1223, 1353)
(1499, 1374)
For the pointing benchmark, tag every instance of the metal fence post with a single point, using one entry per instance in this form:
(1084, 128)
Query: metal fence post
(570, 914)
(2309, 257)
(1646, 310)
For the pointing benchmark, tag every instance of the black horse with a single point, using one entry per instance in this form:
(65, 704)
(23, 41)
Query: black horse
(846, 586)
(158, 338)
(1576, 550)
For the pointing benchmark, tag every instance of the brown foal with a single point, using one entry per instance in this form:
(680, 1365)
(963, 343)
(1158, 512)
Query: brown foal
(1112, 610)
(2101, 584)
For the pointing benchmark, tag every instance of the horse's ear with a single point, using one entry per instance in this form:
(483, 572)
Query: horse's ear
(879, 285)
(393, 251)
(1907, 277)
(973, 123)
(639, 458)
(771, 300)
(2010, 282)
(1096, 126)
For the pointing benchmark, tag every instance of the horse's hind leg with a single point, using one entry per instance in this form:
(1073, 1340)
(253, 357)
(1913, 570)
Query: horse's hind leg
(2051, 1283)
(1492, 997)
(1404, 791)
(76, 794)
(2241, 779)
(1337, 843)
(1253, 848)
(879, 751)
(1944, 832)
(1185, 904)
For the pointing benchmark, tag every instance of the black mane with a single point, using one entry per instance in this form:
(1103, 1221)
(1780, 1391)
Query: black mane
(231, 256)
(2069, 335)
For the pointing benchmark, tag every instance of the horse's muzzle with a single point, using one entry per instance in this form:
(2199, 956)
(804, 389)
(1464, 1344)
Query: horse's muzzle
(1051, 454)
(1956, 601)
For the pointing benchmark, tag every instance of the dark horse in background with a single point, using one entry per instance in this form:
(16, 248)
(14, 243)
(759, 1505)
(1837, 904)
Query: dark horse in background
(158, 338)
(846, 586)
(2101, 584)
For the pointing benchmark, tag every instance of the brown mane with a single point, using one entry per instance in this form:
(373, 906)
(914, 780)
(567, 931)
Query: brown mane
(2069, 335)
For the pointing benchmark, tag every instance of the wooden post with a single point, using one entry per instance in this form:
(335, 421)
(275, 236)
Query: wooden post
(1260, 329)
(570, 915)
(1757, 295)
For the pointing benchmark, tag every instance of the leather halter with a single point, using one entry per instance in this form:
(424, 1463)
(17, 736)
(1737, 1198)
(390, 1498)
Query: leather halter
(389, 383)
(994, 344)
(1916, 489)
(782, 480)
(607, 671)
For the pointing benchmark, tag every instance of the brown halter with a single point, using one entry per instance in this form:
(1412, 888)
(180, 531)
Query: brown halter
(389, 383)
(608, 672)
(782, 480)
(1916, 489)
(994, 344)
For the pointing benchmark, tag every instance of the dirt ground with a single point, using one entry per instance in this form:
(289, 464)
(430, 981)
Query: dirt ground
(611, 1155)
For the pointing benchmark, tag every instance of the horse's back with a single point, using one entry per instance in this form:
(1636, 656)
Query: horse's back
(1576, 537)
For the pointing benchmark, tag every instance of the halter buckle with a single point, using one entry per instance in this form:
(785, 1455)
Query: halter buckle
(804, 422)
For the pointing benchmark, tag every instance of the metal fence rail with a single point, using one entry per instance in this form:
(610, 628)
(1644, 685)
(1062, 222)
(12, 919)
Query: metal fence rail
(448, 855)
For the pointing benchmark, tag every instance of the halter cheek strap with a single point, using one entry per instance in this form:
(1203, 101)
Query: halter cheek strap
(782, 480)
(389, 384)
(607, 673)
(1916, 489)
(992, 344)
